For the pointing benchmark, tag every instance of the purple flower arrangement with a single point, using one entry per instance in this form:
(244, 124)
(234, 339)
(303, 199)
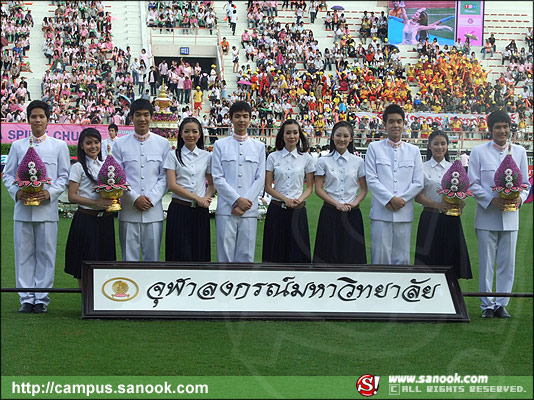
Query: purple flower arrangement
(455, 182)
(168, 133)
(31, 171)
(111, 176)
(508, 177)
(160, 116)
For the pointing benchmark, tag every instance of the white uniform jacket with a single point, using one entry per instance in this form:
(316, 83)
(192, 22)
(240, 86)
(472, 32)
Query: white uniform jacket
(484, 161)
(393, 173)
(55, 155)
(238, 170)
(143, 165)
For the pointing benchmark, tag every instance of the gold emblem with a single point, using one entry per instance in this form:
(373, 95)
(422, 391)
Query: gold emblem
(118, 289)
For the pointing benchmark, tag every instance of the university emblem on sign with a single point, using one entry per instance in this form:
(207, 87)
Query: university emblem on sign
(120, 289)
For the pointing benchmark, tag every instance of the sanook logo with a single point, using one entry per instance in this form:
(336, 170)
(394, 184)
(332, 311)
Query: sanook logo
(367, 385)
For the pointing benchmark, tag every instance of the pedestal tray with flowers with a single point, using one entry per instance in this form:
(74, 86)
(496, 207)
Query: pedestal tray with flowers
(31, 174)
(509, 182)
(111, 182)
(164, 122)
(455, 188)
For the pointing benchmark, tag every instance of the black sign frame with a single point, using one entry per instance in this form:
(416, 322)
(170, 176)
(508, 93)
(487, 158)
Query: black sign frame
(88, 311)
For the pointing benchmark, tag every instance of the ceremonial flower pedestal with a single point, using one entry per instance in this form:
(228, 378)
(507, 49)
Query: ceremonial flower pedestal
(111, 182)
(454, 188)
(165, 122)
(31, 174)
(509, 182)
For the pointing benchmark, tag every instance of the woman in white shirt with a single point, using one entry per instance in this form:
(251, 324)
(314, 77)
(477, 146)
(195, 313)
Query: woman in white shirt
(92, 231)
(286, 235)
(340, 235)
(188, 219)
(440, 237)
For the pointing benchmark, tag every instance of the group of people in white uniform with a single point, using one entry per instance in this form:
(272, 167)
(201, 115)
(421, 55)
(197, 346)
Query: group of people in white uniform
(239, 171)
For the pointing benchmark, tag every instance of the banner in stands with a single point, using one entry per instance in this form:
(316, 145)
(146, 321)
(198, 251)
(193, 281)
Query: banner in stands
(431, 117)
(259, 291)
(409, 21)
(470, 22)
(67, 132)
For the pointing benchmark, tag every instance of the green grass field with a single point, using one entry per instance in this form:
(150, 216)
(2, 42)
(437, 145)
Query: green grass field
(60, 343)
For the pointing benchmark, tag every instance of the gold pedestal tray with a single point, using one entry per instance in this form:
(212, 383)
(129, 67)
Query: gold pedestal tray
(455, 210)
(114, 195)
(510, 200)
(32, 189)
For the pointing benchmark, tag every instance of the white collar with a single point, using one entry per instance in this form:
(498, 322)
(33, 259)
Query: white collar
(285, 152)
(90, 161)
(345, 155)
(434, 163)
(186, 151)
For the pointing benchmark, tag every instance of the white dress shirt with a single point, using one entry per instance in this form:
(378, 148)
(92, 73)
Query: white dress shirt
(105, 143)
(86, 188)
(142, 162)
(55, 155)
(484, 161)
(238, 170)
(393, 172)
(192, 175)
(434, 172)
(289, 171)
(341, 172)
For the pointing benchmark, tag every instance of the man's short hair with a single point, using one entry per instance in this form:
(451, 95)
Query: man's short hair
(113, 126)
(393, 109)
(240, 106)
(38, 104)
(141, 104)
(498, 116)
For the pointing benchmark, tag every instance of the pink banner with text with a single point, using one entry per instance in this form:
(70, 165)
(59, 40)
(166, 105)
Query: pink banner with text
(68, 133)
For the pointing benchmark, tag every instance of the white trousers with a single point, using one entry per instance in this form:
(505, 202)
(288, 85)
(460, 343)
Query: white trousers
(35, 258)
(390, 242)
(499, 245)
(136, 238)
(236, 238)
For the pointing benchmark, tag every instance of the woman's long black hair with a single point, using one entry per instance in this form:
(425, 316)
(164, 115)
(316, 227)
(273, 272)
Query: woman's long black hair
(181, 143)
(88, 132)
(302, 145)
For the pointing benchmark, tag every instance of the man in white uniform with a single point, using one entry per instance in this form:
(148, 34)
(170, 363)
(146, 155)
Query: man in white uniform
(238, 170)
(112, 130)
(496, 229)
(141, 156)
(394, 171)
(35, 227)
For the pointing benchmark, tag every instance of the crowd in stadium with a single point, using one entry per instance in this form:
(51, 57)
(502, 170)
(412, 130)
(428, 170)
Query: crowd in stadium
(188, 16)
(282, 70)
(15, 23)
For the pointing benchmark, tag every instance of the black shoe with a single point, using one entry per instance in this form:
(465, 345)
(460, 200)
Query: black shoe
(39, 308)
(488, 313)
(502, 313)
(26, 308)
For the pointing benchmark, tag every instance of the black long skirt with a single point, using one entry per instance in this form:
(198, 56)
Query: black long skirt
(340, 237)
(286, 237)
(187, 236)
(441, 241)
(91, 238)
